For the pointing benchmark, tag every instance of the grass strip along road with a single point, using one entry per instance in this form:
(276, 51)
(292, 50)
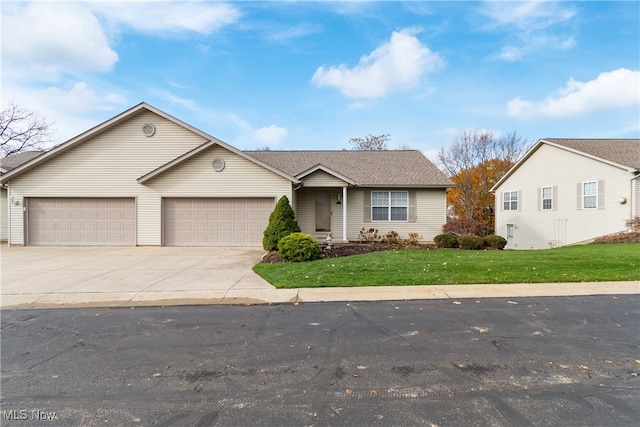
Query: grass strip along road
(590, 263)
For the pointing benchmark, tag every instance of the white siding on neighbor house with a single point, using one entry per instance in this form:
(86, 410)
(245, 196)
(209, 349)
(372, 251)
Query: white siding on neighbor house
(322, 179)
(108, 166)
(4, 213)
(430, 214)
(548, 166)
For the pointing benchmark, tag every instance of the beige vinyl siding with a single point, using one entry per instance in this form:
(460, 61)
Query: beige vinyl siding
(430, 214)
(108, 166)
(239, 178)
(566, 224)
(3, 215)
(322, 179)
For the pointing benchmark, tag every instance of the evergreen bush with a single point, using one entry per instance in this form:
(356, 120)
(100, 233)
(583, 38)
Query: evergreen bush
(495, 242)
(471, 241)
(298, 247)
(446, 241)
(282, 222)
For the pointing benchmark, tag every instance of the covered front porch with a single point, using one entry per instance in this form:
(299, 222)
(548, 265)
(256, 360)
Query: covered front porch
(321, 211)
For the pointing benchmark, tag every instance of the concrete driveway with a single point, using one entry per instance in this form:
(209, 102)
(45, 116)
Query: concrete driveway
(47, 276)
(42, 277)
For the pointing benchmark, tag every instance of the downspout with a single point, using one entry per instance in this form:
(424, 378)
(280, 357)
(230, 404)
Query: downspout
(634, 198)
(8, 215)
(344, 214)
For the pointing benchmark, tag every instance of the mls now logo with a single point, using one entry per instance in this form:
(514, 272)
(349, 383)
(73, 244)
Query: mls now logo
(15, 414)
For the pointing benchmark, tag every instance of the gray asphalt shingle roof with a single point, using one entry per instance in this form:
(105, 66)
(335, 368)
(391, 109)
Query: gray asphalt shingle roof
(365, 168)
(15, 160)
(625, 152)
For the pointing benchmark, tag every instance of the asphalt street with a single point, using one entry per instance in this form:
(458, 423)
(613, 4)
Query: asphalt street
(535, 361)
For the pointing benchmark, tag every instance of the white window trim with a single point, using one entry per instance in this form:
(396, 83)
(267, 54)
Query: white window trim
(389, 206)
(510, 200)
(542, 198)
(590, 195)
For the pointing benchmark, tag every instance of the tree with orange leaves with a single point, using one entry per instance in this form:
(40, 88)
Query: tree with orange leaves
(475, 162)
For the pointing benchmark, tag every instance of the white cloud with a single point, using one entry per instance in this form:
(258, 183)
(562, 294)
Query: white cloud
(46, 38)
(534, 23)
(396, 64)
(159, 18)
(270, 135)
(73, 108)
(610, 90)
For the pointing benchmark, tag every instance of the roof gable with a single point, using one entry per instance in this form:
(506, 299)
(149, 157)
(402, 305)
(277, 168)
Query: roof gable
(620, 153)
(624, 152)
(202, 148)
(97, 130)
(409, 168)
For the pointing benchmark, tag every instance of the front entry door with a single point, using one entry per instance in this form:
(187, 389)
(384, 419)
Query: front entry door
(323, 212)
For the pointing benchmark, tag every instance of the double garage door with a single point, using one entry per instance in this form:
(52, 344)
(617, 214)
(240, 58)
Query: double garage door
(216, 222)
(81, 222)
(112, 221)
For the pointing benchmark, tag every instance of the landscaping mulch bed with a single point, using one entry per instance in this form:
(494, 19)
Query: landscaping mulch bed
(355, 248)
(624, 237)
(348, 249)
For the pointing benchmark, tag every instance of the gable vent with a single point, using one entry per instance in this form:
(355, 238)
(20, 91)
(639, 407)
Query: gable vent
(148, 129)
(218, 165)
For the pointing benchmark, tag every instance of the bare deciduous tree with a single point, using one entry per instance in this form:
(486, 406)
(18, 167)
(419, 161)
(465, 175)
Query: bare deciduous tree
(370, 142)
(475, 161)
(22, 130)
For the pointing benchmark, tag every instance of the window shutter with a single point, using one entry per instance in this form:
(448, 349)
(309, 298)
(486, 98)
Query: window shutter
(502, 201)
(367, 205)
(540, 198)
(554, 198)
(579, 196)
(413, 215)
(519, 200)
(601, 194)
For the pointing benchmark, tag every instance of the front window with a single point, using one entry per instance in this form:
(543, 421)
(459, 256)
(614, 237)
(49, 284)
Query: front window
(547, 198)
(389, 205)
(590, 195)
(510, 201)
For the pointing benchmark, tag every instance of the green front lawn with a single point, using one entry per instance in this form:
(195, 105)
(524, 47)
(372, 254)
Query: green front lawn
(591, 263)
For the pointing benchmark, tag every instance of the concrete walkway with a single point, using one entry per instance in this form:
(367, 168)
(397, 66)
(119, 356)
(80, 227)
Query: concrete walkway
(42, 277)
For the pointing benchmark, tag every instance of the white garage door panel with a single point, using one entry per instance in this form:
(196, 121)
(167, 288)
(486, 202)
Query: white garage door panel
(82, 222)
(216, 222)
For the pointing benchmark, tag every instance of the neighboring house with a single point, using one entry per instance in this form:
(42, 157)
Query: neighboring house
(147, 178)
(566, 191)
(6, 164)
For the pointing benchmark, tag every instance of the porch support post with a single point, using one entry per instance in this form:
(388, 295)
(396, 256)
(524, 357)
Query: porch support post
(344, 214)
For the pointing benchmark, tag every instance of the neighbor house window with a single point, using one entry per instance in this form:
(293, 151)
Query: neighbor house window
(590, 195)
(389, 205)
(547, 198)
(510, 200)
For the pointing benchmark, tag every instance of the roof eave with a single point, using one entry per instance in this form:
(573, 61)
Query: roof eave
(199, 149)
(320, 167)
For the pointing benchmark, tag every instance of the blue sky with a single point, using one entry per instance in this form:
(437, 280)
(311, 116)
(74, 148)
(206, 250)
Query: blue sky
(310, 75)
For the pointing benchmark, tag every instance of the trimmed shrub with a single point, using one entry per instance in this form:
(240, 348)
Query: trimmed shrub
(471, 241)
(369, 236)
(446, 241)
(465, 226)
(391, 237)
(495, 242)
(413, 239)
(298, 247)
(282, 222)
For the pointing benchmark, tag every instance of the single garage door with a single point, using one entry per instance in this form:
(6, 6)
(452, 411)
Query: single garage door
(81, 221)
(216, 222)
